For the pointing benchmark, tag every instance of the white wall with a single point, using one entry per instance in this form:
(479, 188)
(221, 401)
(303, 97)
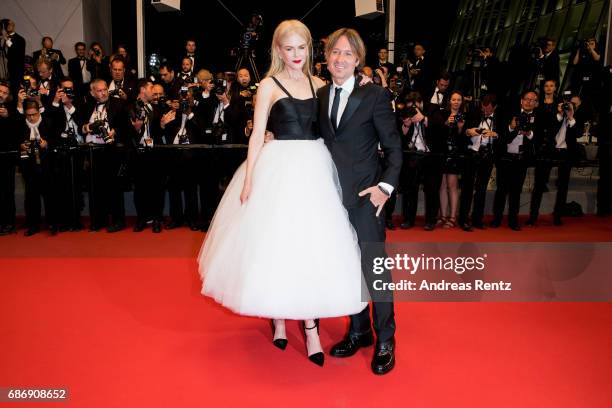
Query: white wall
(62, 20)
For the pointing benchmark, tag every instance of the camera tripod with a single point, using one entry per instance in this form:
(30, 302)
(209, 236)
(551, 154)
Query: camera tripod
(247, 54)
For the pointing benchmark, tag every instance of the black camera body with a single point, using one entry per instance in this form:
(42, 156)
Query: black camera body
(98, 127)
(525, 122)
(69, 92)
(405, 112)
(220, 86)
(114, 93)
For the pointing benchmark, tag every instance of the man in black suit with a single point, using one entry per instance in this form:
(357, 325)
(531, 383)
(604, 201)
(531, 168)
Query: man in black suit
(15, 52)
(383, 61)
(144, 135)
(354, 121)
(9, 145)
(78, 71)
(120, 86)
(517, 153)
(172, 85)
(483, 129)
(193, 54)
(67, 159)
(420, 71)
(562, 148)
(47, 84)
(106, 161)
(438, 98)
(52, 55)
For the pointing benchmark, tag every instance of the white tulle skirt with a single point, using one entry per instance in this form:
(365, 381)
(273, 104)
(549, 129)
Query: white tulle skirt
(290, 251)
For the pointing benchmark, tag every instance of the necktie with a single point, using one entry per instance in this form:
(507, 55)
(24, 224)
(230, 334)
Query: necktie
(334, 110)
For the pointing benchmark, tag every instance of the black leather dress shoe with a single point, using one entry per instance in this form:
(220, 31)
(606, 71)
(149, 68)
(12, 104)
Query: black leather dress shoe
(115, 228)
(384, 358)
(31, 231)
(515, 227)
(495, 224)
(429, 227)
(532, 221)
(479, 225)
(139, 226)
(157, 227)
(351, 344)
(193, 226)
(172, 225)
(466, 227)
(53, 229)
(406, 225)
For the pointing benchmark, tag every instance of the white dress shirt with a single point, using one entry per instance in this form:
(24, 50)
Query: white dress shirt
(347, 89)
(560, 137)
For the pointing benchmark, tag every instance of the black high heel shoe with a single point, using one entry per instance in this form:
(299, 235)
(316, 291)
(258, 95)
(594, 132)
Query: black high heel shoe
(317, 358)
(280, 343)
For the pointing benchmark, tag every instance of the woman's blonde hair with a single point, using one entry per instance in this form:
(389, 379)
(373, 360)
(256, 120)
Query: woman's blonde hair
(284, 29)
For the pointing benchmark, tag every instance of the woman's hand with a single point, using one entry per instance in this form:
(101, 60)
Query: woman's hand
(246, 191)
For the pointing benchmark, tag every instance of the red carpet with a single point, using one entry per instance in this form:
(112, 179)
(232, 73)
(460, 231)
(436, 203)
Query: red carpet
(119, 321)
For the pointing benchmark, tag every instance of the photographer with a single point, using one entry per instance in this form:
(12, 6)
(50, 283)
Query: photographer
(383, 61)
(546, 63)
(483, 131)
(36, 133)
(420, 71)
(170, 82)
(180, 127)
(586, 78)
(28, 90)
(55, 57)
(186, 75)
(120, 86)
(565, 131)
(438, 99)
(14, 45)
(453, 133)
(66, 157)
(422, 163)
(130, 69)
(144, 134)
(47, 84)
(517, 152)
(98, 63)
(9, 145)
(103, 126)
(190, 51)
(78, 71)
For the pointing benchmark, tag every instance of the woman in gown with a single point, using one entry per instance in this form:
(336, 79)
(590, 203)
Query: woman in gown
(280, 244)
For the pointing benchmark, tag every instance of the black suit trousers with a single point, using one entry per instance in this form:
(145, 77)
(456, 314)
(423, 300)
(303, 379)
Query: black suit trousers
(371, 229)
(7, 189)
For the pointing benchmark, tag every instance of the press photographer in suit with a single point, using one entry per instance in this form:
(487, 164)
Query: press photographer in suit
(9, 146)
(55, 57)
(67, 160)
(483, 130)
(517, 153)
(78, 70)
(104, 125)
(144, 134)
(422, 162)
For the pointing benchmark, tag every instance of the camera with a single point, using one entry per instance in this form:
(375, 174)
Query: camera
(524, 122)
(220, 85)
(567, 104)
(140, 111)
(33, 150)
(97, 52)
(405, 112)
(69, 92)
(162, 103)
(98, 127)
(27, 86)
(459, 117)
(114, 93)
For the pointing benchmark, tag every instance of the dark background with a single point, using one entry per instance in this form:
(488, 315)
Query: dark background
(216, 31)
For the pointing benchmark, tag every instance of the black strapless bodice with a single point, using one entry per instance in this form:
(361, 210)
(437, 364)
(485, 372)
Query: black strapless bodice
(294, 119)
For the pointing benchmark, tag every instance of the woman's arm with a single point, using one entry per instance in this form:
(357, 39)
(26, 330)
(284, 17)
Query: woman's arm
(256, 141)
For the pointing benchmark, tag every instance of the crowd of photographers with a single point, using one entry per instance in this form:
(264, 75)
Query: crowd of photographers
(100, 129)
